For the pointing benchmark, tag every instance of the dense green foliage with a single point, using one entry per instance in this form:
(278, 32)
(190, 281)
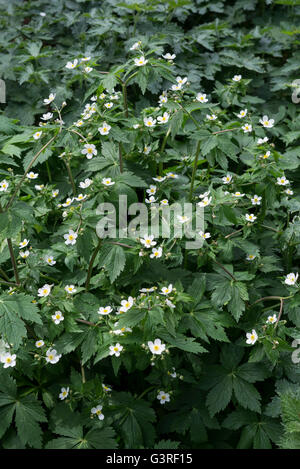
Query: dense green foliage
(227, 314)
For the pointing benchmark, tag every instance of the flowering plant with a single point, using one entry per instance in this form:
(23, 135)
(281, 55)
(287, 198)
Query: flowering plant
(142, 341)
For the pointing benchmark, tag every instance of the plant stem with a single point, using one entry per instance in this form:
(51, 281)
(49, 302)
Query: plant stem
(120, 158)
(28, 168)
(12, 256)
(124, 91)
(194, 170)
(225, 270)
(70, 177)
(90, 269)
(4, 275)
(13, 261)
(162, 148)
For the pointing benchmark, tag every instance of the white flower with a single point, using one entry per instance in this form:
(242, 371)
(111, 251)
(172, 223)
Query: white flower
(159, 178)
(126, 305)
(149, 121)
(85, 59)
(107, 182)
(238, 194)
(205, 194)
(169, 56)
(282, 181)
(45, 290)
(163, 397)
(88, 69)
(47, 116)
(108, 105)
(181, 81)
(85, 184)
(266, 155)
(170, 304)
(115, 349)
(67, 202)
(70, 237)
(80, 197)
(156, 253)
(266, 122)
(32, 175)
(151, 190)
(106, 388)
(151, 200)
(64, 392)
(79, 123)
(164, 118)
(104, 311)
(260, 141)
(57, 317)
(237, 77)
(23, 243)
(251, 257)
(176, 87)
(104, 130)
(136, 45)
(42, 13)
(227, 179)
(172, 175)
(182, 218)
(247, 128)
(289, 192)
(162, 99)
(147, 150)
(136, 126)
(148, 290)
(251, 337)
(156, 347)
(256, 200)
(211, 117)
(71, 65)
(39, 187)
(201, 97)
(39, 343)
(3, 185)
(148, 241)
(102, 95)
(291, 279)
(98, 411)
(242, 113)
(204, 235)
(140, 61)
(205, 202)
(8, 360)
(50, 99)
(271, 319)
(173, 374)
(250, 217)
(89, 150)
(24, 254)
(70, 289)
(164, 202)
(52, 356)
(167, 290)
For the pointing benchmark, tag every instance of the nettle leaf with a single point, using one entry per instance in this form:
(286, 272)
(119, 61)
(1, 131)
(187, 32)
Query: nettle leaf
(14, 309)
(113, 259)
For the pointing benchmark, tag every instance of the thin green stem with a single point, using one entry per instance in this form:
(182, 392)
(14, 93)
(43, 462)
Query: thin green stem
(27, 170)
(162, 148)
(71, 177)
(90, 268)
(194, 170)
